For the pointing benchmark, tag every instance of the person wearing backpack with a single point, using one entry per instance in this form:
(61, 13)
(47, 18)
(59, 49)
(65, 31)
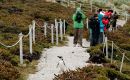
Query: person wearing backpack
(94, 26)
(78, 18)
(101, 25)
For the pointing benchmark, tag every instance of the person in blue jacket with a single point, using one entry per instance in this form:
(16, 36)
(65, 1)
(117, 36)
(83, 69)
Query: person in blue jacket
(100, 17)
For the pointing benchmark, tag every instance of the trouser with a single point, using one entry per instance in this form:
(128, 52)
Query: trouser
(101, 37)
(94, 40)
(78, 36)
(90, 34)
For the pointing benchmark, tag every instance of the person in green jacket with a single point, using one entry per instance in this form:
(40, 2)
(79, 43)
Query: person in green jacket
(78, 18)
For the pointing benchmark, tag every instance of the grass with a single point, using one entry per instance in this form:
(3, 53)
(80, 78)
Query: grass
(26, 69)
(13, 21)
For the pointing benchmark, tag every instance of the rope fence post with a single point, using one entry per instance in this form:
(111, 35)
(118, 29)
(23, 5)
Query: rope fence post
(87, 23)
(30, 38)
(104, 42)
(52, 34)
(95, 9)
(61, 30)
(64, 27)
(45, 29)
(21, 47)
(33, 24)
(80, 5)
(68, 3)
(126, 16)
(106, 47)
(112, 53)
(122, 62)
(91, 4)
(56, 26)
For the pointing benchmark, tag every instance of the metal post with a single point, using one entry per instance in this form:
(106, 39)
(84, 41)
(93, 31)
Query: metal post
(52, 35)
(64, 27)
(21, 47)
(30, 38)
(61, 30)
(87, 23)
(106, 48)
(126, 16)
(80, 5)
(45, 29)
(33, 31)
(96, 10)
(122, 62)
(91, 4)
(56, 25)
(68, 2)
(112, 53)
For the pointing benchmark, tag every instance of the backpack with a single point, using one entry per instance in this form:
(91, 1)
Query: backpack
(78, 17)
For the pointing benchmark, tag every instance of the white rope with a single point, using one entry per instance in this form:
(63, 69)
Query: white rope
(26, 34)
(38, 24)
(118, 48)
(11, 45)
(127, 58)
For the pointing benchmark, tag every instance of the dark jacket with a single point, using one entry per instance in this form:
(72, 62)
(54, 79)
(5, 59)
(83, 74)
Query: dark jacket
(94, 25)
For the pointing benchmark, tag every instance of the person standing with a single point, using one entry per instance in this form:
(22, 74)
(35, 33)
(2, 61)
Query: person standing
(78, 18)
(100, 17)
(94, 26)
(114, 20)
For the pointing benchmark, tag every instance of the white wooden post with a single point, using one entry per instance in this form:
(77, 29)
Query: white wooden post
(61, 30)
(64, 27)
(45, 29)
(126, 17)
(21, 47)
(122, 62)
(52, 34)
(91, 4)
(30, 38)
(80, 5)
(33, 31)
(106, 47)
(55, 22)
(68, 2)
(56, 25)
(112, 53)
(87, 23)
(96, 10)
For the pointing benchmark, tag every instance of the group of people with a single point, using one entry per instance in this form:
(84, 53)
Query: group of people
(99, 23)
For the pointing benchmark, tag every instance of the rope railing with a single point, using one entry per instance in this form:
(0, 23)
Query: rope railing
(120, 51)
(8, 46)
(58, 28)
(20, 41)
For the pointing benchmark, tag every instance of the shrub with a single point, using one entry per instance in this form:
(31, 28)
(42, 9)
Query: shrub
(96, 54)
(7, 71)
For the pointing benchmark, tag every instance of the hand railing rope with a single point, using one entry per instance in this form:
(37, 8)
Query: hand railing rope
(8, 46)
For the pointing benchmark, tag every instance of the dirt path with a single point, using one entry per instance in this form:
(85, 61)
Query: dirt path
(74, 57)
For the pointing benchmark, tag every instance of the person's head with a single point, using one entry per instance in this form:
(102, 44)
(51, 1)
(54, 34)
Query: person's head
(96, 16)
(115, 12)
(99, 10)
(78, 9)
(111, 11)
